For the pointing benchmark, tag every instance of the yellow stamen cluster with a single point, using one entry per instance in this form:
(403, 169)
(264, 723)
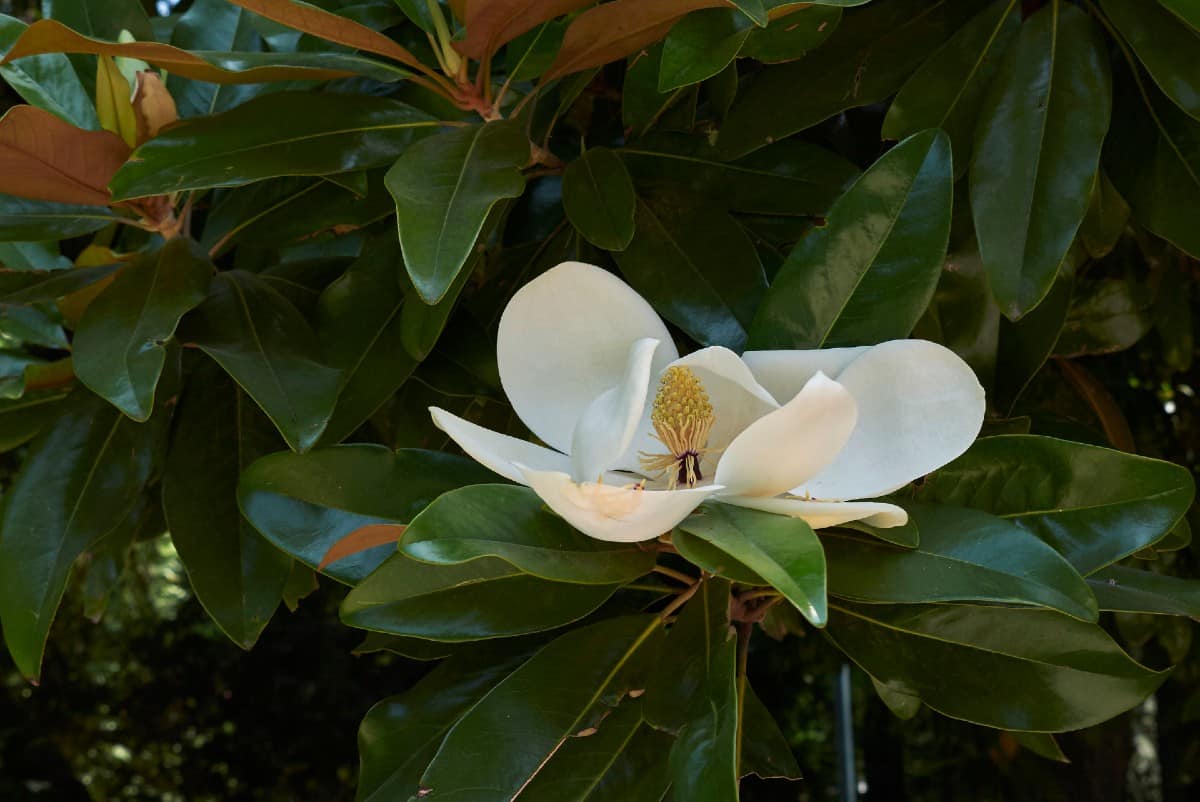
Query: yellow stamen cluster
(683, 418)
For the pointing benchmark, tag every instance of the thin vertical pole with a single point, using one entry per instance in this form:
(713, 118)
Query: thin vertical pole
(844, 729)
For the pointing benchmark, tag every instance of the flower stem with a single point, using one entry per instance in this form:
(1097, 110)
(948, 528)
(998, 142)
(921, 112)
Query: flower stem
(681, 599)
(680, 576)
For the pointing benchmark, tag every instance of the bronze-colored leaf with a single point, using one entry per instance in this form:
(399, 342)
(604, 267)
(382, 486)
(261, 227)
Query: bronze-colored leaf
(614, 30)
(367, 537)
(492, 23)
(153, 106)
(44, 158)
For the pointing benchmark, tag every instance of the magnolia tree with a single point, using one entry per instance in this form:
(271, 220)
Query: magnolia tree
(588, 343)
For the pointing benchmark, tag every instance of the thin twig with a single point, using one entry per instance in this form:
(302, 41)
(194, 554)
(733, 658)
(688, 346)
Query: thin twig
(686, 579)
(681, 599)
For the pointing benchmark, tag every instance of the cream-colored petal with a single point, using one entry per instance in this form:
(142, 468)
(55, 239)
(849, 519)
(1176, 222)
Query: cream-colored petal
(784, 373)
(737, 399)
(822, 514)
(564, 339)
(607, 426)
(790, 445)
(496, 451)
(622, 514)
(919, 406)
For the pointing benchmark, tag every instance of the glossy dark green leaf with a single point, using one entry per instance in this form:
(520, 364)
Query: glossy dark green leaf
(213, 25)
(284, 133)
(1106, 315)
(785, 551)
(700, 45)
(105, 560)
(1021, 669)
(787, 178)
(23, 418)
(1094, 505)
(359, 323)
(1134, 590)
(705, 555)
(964, 555)
(46, 81)
(765, 751)
(791, 37)
(32, 256)
(304, 504)
(903, 705)
(23, 220)
(642, 105)
(32, 325)
(947, 91)
(534, 711)
(484, 598)
(412, 648)
(267, 346)
(1024, 345)
(513, 523)
(444, 188)
(237, 575)
(696, 266)
(79, 481)
(1164, 46)
(120, 345)
(1037, 149)
(1042, 744)
(624, 759)
(907, 536)
(105, 19)
(865, 60)
(400, 735)
(887, 237)
(1105, 220)
(598, 197)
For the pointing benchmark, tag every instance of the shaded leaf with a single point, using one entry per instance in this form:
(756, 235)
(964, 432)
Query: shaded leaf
(1135, 590)
(1163, 45)
(791, 37)
(598, 196)
(23, 220)
(48, 81)
(700, 45)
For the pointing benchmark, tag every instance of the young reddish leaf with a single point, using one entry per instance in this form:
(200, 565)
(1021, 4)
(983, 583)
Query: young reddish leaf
(367, 537)
(614, 30)
(49, 36)
(153, 106)
(330, 27)
(492, 23)
(44, 158)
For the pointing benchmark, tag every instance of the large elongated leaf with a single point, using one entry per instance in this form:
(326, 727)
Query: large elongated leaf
(697, 266)
(120, 345)
(947, 90)
(535, 712)
(1037, 148)
(701, 45)
(964, 555)
(24, 220)
(46, 81)
(285, 133)
(267, 346)
(80, 480)
(492, 23)
(869, 273)
(33, 286)
(213, 25)
(444, 188)
(784, 551)
(305, 504)
(1030, 670)
(512, 523)
(237, 575)
(865, 60)
(1163, 45)
(44, 158)
(1137, 591)
(599, 199)
(1093, 505)
(107, 18)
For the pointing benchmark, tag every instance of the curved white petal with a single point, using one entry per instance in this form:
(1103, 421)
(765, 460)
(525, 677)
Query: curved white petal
(784, 373)
(607, 426)
(821, 514)
(919, 406)
(622, 514)
(789, 446)
(737, 399)
(563, 340)
(496, 451)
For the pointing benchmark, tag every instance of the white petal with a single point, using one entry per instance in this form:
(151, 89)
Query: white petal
(607, 426)
(563, 340)
(617, 513)
(496, 451)
(919, 406)
(821, 514)
(737, 399)
(784, 373)
(789, 446)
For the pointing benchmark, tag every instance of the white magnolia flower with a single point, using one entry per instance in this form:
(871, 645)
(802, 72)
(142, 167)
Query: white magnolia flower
(801, 433)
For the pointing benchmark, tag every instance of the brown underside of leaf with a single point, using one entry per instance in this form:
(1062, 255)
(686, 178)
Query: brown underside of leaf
(1097, 396)
(614, 30)
(45, 158)
(368, 537)
(492, 23)
(49, 36)
(153, 106)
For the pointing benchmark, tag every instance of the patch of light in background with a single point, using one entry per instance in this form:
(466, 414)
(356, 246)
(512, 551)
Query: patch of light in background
(165, 7)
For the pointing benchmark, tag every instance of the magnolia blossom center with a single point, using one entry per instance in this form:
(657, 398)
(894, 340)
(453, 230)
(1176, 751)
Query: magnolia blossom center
(682, 417)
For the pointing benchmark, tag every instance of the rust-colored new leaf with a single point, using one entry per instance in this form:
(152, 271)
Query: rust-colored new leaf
(44, 158)
(330, 27)
(368, 537)
(613, 30)
(492, 23)
(49, 36)
(153, 106)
